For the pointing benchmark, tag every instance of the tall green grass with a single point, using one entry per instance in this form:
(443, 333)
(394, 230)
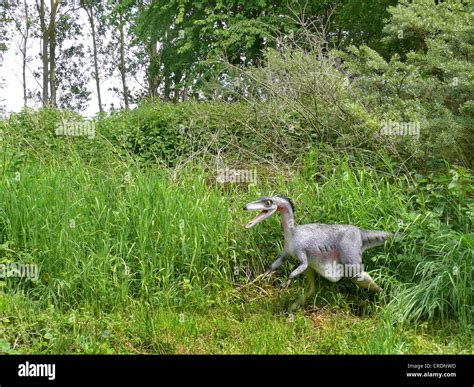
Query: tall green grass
(102, 236)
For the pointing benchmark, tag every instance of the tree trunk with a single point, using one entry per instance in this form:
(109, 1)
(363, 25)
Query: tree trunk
(52, 51)
(45, 60)
(90, 14)
(122, 62)
(184, 93)
(25, 42)
(166, 91)
(176, 80)
(52, 66)
(153, 81)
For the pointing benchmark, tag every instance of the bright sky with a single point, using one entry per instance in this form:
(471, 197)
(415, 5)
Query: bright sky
(11, 71)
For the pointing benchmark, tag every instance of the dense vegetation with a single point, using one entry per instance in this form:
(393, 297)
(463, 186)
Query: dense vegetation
(142, 250)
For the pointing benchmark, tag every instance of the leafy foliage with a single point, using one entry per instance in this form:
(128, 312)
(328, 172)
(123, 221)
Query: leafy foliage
(430, 83)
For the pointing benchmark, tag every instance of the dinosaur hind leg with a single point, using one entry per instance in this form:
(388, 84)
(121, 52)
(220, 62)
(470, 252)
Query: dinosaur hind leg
(351, 256)
(311, 279)
(364, 280)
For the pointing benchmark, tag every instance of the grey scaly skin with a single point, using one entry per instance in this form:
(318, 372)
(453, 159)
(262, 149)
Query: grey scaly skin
(329, 250)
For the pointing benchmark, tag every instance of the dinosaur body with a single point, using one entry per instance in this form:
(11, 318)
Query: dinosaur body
(327, 246)
(332, 251)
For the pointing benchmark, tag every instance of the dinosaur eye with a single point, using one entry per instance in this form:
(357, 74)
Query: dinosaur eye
(268, 203)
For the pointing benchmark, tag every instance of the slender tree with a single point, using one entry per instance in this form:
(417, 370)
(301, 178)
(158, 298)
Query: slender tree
(21, 18)
(25, 35)
(44, 29)
(52, 51)
(93, 9)
(123, 66)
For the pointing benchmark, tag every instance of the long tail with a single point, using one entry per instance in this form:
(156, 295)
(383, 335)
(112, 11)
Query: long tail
(372, 238)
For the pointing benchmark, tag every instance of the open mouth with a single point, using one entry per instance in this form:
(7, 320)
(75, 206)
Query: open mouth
(262, 215)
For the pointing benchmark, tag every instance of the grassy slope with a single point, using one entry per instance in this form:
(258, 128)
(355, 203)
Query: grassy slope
(240, 327)
(143, 260)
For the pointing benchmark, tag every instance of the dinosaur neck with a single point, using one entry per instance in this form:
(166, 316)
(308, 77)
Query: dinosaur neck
(287, 222)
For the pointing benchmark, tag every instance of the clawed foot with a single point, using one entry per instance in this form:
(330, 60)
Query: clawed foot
(256, 279)
(285, 285)
(267, 274)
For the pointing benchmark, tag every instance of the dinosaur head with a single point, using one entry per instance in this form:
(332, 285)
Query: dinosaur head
(267, 206)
